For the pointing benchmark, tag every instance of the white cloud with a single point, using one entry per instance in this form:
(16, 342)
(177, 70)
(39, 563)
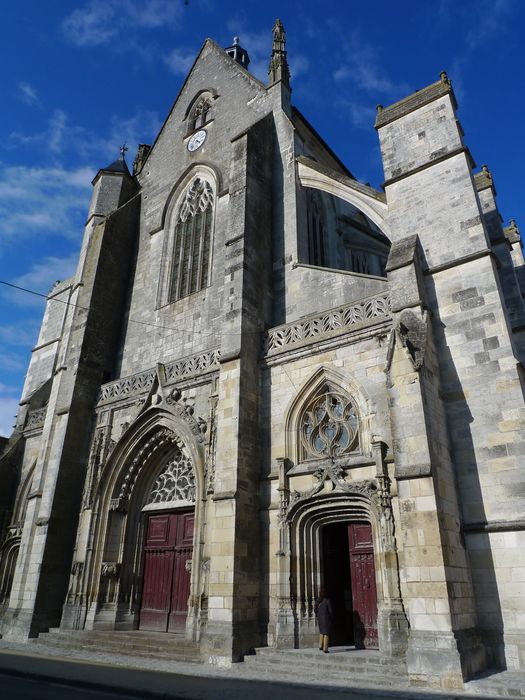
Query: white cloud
(60, 136)
(39, 278)
(99, 22)
(152, 13)
(11, 363)
(22, 333)
(92, 25)
(488, 20)
(8, 411)
(28, 95)
(364, 67)
(47, 199)
(361, 115)
(299, 65)
(57, 128)
(179, 61)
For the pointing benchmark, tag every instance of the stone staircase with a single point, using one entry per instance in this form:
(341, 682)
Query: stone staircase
(151, 645)
(352, 666)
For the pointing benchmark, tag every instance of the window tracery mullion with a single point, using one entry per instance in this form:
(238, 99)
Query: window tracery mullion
(202, 237)
(189, 285)
(182, 267)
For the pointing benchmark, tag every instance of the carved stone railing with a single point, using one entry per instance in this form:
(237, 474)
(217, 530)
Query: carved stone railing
(36, 418)
(189, 366)
(331, 323)
(134, 385)
(140, 383)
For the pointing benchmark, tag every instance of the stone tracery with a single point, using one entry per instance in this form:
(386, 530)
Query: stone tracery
(175, 483)
(329, 425)
(192, 241)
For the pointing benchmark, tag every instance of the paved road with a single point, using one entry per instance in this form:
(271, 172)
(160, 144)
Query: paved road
(13, 687)
(16, 688)
(39, 678)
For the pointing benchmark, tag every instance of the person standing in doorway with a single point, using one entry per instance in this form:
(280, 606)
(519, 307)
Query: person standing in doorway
(325, 617)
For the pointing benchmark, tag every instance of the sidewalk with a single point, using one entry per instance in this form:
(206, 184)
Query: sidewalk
(153, 678)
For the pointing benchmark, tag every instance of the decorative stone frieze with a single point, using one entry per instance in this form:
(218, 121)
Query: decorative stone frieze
(36, 418)
(142, 382)
(312, 329)
(127, 387)
(110, 569)
(190, 366)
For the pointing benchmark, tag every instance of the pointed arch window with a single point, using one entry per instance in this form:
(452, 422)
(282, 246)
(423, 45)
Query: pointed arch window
(328, 425)
(192, 241)
(316, 229)
(200, 113)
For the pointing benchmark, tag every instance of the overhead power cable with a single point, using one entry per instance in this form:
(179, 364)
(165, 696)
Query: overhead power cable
(130, 320)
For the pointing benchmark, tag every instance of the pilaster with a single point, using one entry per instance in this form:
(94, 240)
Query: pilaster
(232, 627)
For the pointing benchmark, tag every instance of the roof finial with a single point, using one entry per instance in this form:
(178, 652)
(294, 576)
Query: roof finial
(238, 53)
(123, 150)
(278, 69)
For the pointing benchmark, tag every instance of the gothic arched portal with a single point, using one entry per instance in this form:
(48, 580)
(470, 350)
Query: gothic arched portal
(142, 564)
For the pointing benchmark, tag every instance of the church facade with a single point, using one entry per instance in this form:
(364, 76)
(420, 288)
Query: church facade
(266, 378)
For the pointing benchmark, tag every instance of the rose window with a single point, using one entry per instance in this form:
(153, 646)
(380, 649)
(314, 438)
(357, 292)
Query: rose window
(328, 426)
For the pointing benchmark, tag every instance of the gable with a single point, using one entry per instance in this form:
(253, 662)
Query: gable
(238, 100)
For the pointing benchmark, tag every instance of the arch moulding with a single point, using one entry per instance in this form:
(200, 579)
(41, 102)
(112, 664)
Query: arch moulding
(354, 390)
(312, 175)
(165, 426)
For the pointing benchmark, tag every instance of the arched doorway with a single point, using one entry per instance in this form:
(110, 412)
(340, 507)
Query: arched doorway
(168, 552)
(349, 578)
(146, 528)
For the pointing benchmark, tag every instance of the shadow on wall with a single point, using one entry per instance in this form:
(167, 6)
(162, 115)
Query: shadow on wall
(475, 538)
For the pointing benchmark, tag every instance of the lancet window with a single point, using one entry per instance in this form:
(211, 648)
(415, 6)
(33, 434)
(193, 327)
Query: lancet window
(192, 241)
(328, 425)
(316, 229)
(200, 114)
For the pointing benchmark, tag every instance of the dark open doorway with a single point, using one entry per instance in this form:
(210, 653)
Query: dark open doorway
(337, 583)
(348, 575)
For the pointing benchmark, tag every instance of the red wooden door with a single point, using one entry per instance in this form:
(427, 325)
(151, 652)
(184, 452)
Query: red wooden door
(166, 586)
(180, 588)
(364, 593)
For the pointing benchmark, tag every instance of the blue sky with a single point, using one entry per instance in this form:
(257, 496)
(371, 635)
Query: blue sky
(81, 77)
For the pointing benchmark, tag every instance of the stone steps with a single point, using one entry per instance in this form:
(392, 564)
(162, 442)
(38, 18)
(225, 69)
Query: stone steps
(136, 643)
(341, 663)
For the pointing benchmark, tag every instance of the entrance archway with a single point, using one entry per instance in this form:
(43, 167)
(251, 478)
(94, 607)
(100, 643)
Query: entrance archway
(349, 578)
(157, 468)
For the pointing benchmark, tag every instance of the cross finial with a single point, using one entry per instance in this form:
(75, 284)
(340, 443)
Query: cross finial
(123, 150)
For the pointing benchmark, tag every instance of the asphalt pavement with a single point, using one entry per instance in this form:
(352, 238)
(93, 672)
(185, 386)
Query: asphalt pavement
(42, 678)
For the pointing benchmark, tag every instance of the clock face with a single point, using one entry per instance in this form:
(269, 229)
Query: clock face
(196, 141)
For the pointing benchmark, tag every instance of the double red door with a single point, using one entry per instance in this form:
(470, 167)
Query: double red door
(363, 577)
(167, 558)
